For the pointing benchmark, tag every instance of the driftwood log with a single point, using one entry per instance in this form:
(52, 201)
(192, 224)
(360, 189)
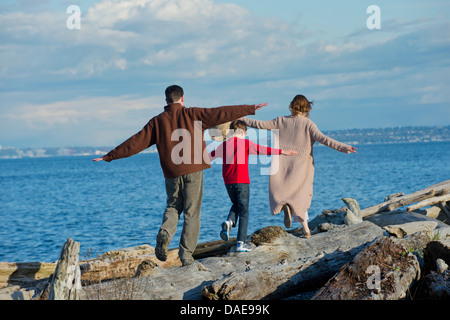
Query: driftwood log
(429, 202)
(353, 212)
(24, 273)
(439, 189)
(214, 248)
(291, 264)
(280, 264)
(432, 211)
(123, 263)
(66, 281)
(382, 271)
(409, 228)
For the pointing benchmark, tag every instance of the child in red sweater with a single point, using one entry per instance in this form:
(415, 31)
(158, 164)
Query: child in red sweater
(235, 152)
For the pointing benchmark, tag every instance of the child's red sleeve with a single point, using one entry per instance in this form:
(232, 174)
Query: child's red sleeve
(257, 149)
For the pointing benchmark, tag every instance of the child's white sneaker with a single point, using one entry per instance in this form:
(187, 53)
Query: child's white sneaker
(243, 247)
(225, 233)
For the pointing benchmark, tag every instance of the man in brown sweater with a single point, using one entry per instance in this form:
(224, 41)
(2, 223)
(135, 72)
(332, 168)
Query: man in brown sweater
(178, 135)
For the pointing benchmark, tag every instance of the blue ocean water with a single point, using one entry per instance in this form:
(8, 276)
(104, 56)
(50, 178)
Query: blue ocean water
(108, 206)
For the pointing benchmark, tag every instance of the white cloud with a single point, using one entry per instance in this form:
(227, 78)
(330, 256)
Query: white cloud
(151, 35)
(346, 47)
(108, 13)
(110, 111)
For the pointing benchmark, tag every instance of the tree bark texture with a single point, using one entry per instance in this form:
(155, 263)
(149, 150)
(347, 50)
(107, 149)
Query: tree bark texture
(382, 271)
(66, 281)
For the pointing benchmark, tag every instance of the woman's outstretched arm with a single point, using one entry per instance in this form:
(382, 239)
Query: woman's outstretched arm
(318, 136)
(259, 124)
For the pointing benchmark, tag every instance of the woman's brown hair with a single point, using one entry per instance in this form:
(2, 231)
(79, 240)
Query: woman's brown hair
(300, 105)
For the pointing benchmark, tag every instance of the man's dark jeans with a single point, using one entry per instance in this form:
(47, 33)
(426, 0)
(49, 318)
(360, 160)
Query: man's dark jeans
(240, 197)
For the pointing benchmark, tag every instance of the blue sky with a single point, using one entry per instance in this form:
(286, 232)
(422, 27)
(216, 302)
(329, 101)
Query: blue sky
(98, 85)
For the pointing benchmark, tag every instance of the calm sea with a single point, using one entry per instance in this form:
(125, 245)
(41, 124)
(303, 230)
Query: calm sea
(108, 206)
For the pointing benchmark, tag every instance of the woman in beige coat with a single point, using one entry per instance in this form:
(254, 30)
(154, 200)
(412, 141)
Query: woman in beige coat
(291, 178)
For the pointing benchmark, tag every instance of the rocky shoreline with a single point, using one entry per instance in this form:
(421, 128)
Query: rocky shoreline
(398, 249)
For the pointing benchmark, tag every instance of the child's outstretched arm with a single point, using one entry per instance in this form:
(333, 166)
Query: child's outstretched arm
(257, 149)
(289, 152)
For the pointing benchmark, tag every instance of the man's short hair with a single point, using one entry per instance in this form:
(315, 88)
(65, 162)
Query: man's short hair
(174, 93)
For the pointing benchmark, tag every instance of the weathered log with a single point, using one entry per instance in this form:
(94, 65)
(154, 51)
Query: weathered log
(394, 195)
(291, 264)
(429, 202)
(213, 248)
(409, 228)
(382, 271)
(24, 273)
(433, 211)
(429, 192)
(15, 292)
(383, 219)
(399, 202)
(66, 281)
(353, 212)
(123, 263)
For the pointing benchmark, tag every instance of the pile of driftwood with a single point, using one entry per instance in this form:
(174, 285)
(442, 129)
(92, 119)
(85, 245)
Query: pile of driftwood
(373, 253)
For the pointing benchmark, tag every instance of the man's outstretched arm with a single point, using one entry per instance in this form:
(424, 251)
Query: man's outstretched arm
(135, 144)
(260, 105)
(211, 117)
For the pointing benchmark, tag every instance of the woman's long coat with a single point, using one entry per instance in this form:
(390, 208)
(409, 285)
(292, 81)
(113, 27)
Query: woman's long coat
(291, 178)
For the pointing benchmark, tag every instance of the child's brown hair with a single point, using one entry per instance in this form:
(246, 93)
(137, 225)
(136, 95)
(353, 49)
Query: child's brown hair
(238, 125)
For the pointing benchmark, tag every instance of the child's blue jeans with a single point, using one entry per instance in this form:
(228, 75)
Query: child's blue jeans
(240, 197)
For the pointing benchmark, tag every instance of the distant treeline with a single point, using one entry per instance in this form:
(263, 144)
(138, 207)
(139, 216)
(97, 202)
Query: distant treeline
(391, 135)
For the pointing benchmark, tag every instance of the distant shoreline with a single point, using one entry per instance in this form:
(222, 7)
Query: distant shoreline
(411, 134)
(408, 134)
